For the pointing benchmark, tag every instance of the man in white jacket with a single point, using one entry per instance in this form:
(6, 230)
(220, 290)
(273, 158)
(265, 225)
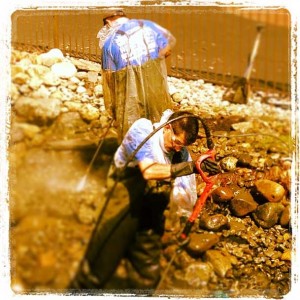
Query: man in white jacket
(133, 53)
(161, 170)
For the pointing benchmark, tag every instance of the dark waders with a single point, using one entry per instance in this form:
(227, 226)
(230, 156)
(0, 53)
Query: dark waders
(134, 232)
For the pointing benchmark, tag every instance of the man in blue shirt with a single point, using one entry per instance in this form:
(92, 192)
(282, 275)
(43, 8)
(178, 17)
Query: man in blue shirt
(134, 73)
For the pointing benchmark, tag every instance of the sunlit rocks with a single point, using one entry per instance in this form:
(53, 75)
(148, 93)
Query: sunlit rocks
(228, 163)
(214, 222)
(51, 79)
(268, 214)
(285, 216)
(222, 194)
(242, 203)
(51, 57)
(64, 69)
(271, 190)
(201, 242)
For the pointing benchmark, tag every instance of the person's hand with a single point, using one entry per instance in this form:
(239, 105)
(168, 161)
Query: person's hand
(210, 166)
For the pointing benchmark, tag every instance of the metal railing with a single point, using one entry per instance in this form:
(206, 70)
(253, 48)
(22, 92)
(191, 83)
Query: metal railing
(213, 43)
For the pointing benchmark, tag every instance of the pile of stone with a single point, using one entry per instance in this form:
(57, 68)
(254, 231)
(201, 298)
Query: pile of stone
(242, 240)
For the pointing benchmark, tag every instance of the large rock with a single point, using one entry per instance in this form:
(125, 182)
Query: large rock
(268, 214)
(222, 194)
(271, 190)
(64, 69)
(214, 222)
(199, 243)
(242, 203)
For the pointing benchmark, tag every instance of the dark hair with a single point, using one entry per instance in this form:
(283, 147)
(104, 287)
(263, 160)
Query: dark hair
(189, 125)
(115, 13)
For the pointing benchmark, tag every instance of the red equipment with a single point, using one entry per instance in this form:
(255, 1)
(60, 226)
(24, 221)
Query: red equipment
(209, 180)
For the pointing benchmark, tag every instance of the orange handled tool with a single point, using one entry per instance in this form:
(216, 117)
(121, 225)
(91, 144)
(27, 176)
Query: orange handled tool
(209, 180)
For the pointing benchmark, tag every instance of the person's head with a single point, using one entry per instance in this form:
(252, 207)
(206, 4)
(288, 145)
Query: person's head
(111, 15)
(181, 132)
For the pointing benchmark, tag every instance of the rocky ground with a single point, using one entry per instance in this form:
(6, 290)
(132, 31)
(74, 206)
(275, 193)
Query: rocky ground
(241, 244)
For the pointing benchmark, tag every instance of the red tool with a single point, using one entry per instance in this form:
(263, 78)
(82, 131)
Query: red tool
(209, 180)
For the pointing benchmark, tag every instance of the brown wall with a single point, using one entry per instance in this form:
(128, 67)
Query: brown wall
(213, 43)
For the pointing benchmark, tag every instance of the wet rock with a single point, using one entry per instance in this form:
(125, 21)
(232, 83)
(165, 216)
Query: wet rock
(271, 190)
(244, 160)
(214, 223)
(242, 203)
(286, 179)
(274, 173)
(222, 194)
(229, 163)
(285, 216)
(220, 261)
(201, 242)
(38, 111)
(169, 251)
(268, 214)
(183, 260)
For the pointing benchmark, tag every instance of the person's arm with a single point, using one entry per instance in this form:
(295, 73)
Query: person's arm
(165, 52)
(155, 171)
